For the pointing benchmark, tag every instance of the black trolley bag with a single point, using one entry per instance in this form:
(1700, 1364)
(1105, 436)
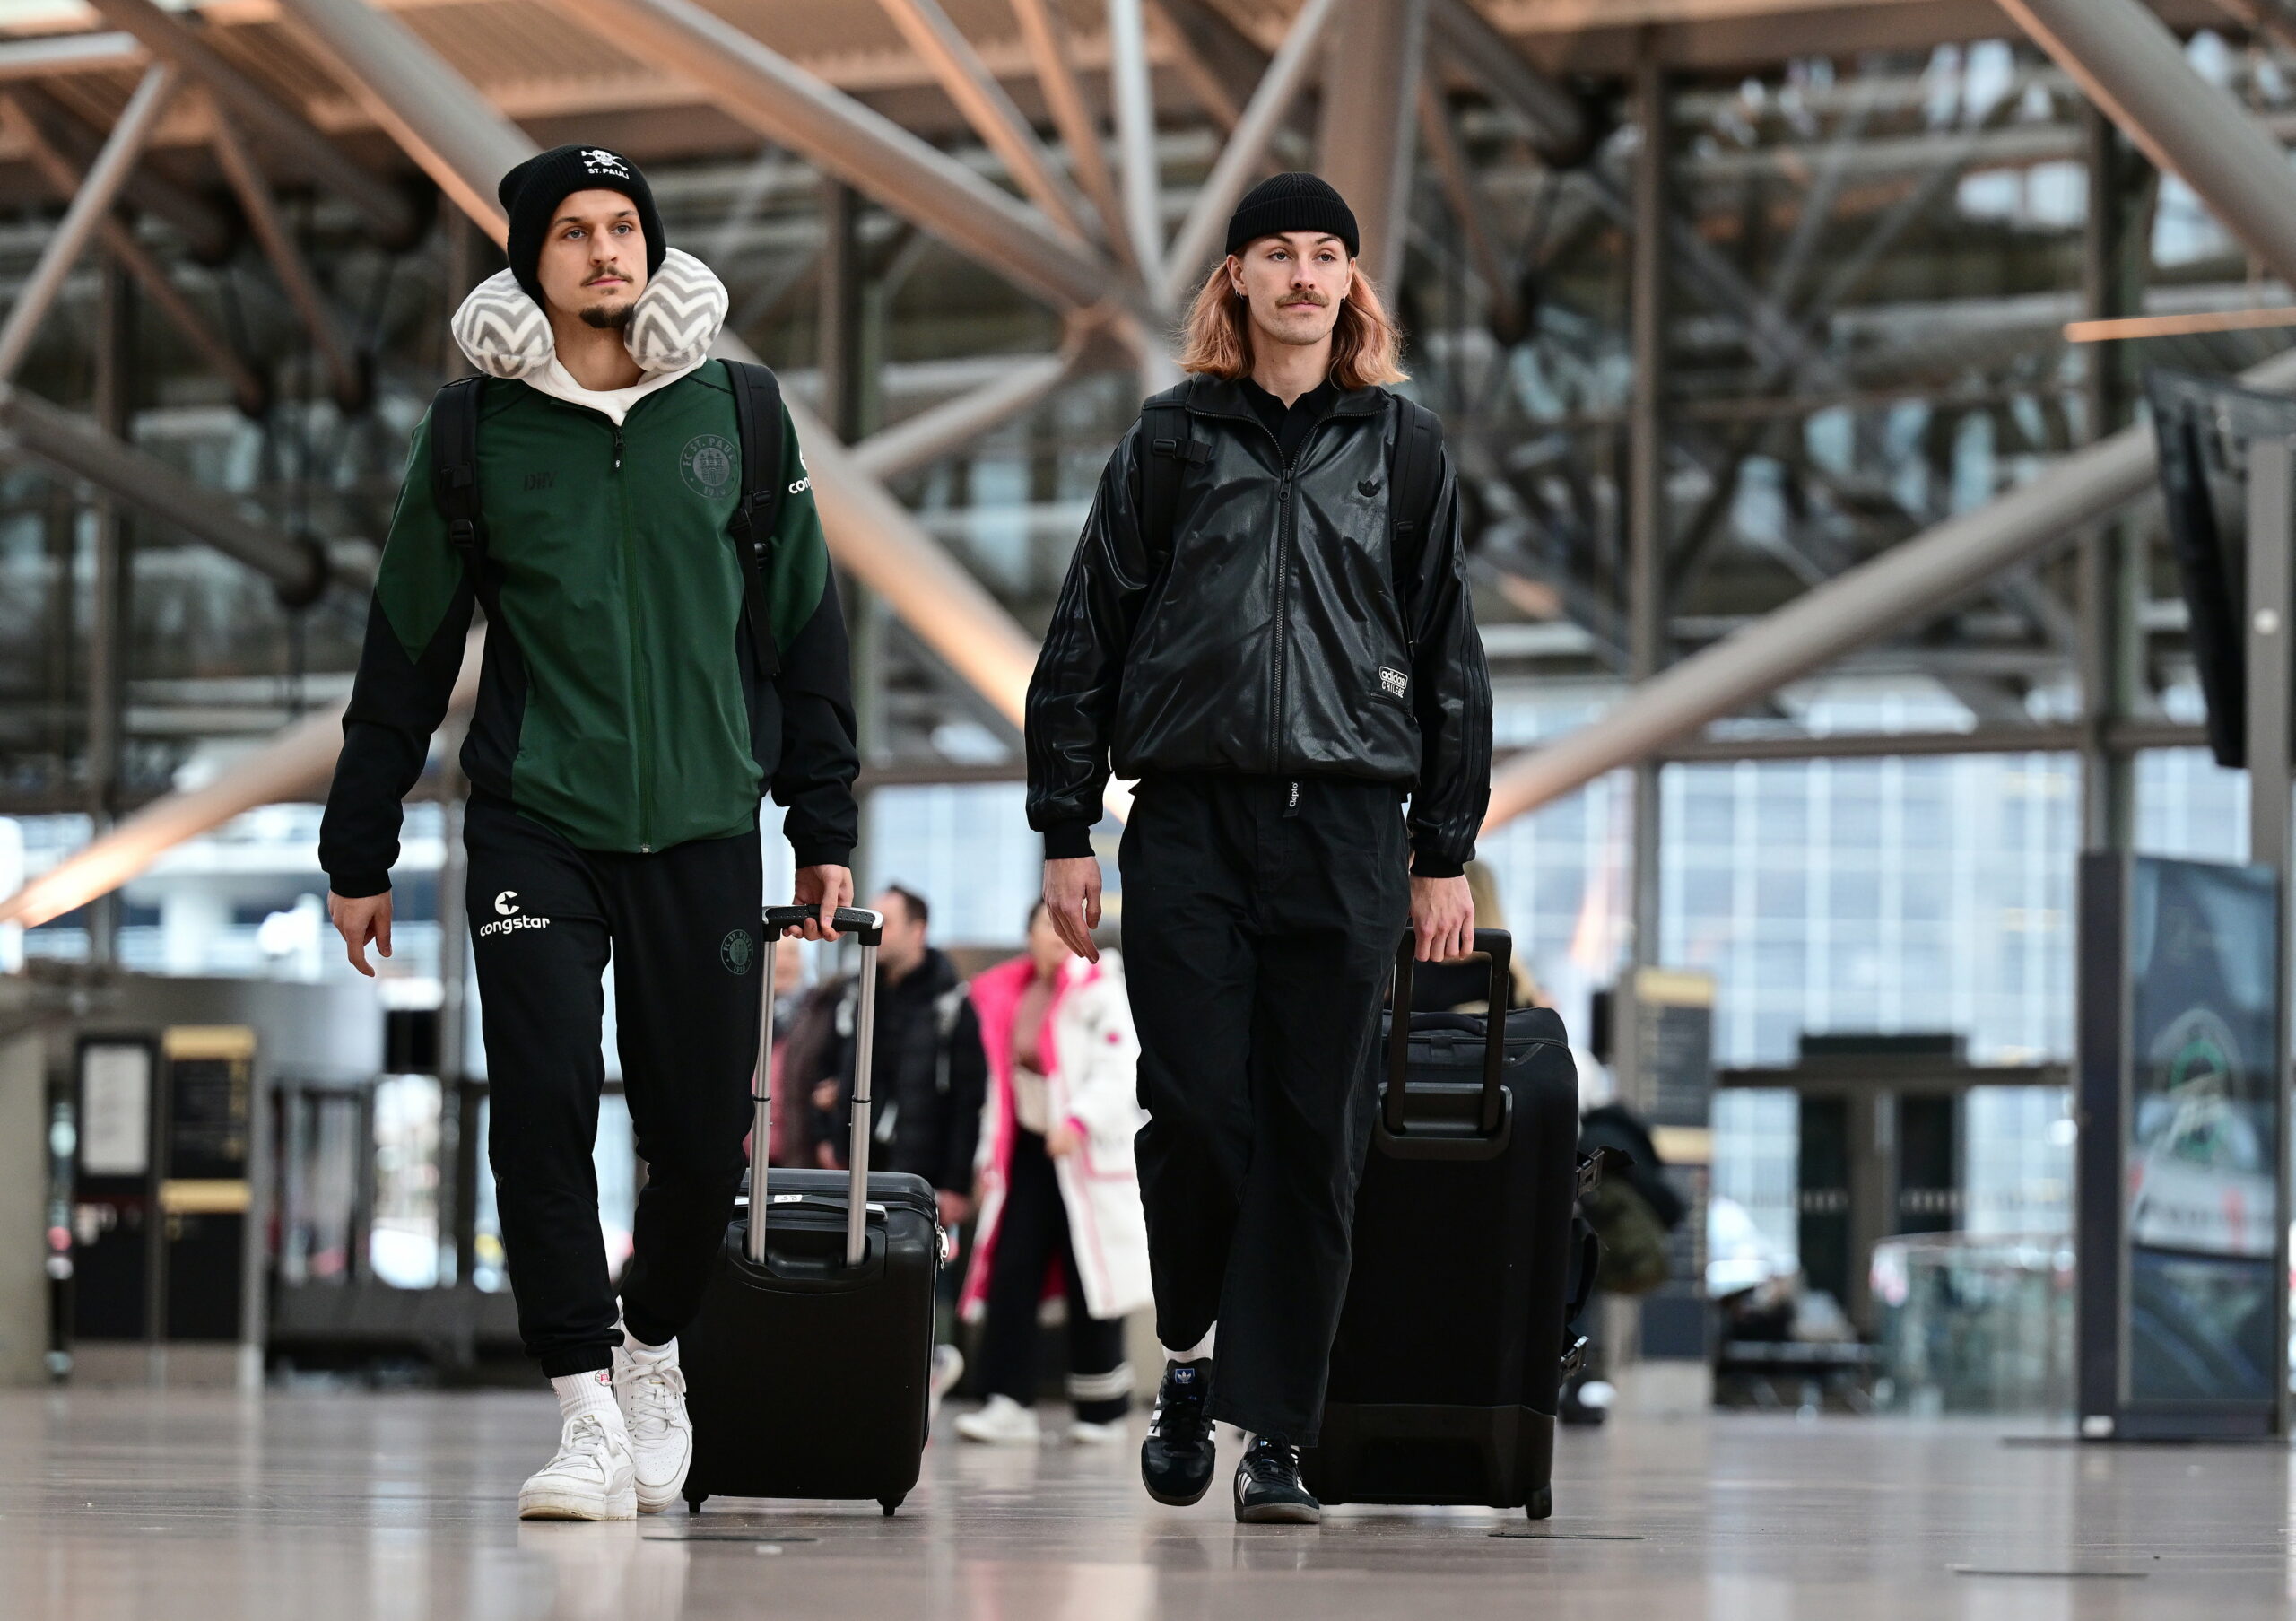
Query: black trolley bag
(807, 1366)
(1450, 1354)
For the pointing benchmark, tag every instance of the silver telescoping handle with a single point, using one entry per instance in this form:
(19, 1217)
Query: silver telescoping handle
(869, 928)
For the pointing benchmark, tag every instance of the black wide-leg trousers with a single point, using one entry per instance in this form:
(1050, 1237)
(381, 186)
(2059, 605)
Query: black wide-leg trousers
(1260, 919)
(681, 926)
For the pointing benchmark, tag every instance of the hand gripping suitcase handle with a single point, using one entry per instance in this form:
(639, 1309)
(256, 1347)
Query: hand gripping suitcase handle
(869, 928)
(1499, 946)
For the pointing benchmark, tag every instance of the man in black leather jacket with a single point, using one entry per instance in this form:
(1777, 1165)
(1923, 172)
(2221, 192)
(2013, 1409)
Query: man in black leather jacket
(1281, 660)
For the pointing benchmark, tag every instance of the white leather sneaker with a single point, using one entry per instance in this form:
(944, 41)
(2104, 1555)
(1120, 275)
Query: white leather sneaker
(1001, 1422)
(1083, 1432)
(650, 1391)
(592, 1477)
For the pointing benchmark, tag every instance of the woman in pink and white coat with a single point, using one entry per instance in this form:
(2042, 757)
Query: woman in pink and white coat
(1057, 1186)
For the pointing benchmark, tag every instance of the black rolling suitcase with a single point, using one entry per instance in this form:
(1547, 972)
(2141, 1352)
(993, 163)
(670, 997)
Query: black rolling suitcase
(1450, 1353)
(806, 1369)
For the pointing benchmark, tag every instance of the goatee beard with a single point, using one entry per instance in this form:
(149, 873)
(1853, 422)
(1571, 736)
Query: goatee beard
(606, 317)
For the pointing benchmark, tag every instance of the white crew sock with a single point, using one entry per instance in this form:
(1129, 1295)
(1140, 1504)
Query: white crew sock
(1201, 1351)
(591, 1394)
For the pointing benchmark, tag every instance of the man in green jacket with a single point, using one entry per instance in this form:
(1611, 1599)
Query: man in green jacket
(628, 721)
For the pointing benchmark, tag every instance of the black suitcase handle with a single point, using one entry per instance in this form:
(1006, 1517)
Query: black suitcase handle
(868, 927)
(1493, 1128)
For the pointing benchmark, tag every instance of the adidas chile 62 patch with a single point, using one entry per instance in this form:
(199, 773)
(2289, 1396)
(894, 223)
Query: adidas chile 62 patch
(708, 463)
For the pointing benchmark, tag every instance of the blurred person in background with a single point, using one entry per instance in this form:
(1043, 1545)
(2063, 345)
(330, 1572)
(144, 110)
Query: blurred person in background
(799, 1023)
(1057, 1187)
(928, 1082)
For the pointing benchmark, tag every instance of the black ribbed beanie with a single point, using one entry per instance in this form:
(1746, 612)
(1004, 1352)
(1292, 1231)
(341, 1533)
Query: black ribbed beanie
(531, 193)
(1292, 202)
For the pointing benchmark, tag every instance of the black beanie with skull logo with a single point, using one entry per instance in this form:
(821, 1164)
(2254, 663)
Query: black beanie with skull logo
(531, 193)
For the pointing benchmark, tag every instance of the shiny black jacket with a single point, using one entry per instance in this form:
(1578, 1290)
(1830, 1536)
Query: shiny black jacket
(1276, 636)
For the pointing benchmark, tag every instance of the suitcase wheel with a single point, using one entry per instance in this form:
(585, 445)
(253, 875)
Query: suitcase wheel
(1542, 1504)
(889, 1504)
(693, 1504)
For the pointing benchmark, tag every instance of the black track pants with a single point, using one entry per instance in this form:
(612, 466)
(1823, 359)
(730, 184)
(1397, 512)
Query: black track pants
(1258, 930)
(1031, 1235)
(681, 926)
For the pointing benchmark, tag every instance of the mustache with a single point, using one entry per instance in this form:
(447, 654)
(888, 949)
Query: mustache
(1316, 299)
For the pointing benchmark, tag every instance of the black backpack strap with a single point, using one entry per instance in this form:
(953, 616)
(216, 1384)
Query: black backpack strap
(1167, 452)
(1414, 475)
(454, 472)
(757, 509)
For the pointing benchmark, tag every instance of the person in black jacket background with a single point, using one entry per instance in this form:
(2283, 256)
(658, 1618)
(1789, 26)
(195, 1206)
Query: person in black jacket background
(931, 1074)
(1281, 660)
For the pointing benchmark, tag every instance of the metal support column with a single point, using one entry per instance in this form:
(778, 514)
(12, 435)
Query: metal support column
(108, 594)
(89, 207)
(1369, 125)
(1647, 517)
(2110, 564)
(2132, 67)
(2272, 665)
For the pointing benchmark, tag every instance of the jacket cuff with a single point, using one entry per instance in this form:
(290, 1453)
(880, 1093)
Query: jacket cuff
(822, 855)
(1067, 840)
(358, 886)
(1427, 864)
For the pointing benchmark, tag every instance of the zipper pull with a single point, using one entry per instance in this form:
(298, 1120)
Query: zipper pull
(617, 447)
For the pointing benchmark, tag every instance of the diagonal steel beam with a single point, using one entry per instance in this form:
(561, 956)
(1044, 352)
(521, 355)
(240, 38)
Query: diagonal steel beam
(249, 391)
(1562, 132)
(295, 765)
(1466, 200)
(287, 262)
(1245, 150)
(2132, 67)
(208, 235)
(1221, 61)
(1046, 35)
(429, 108)
(1210, 90)
(966, 80)
(46, 55)
(857, 145)
(934, 431)
(85, 212)
(76, 447)
(286, 133)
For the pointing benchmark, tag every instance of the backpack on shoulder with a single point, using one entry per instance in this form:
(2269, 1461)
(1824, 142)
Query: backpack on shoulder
(757, 423)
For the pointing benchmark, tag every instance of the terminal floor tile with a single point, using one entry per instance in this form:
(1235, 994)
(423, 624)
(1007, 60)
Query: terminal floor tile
(344, 1506)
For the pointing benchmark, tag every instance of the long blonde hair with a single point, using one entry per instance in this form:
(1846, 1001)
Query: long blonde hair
(1366, 345)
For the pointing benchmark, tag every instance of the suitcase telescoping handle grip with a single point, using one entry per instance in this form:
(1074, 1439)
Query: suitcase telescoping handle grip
(1497, 944)
(869, 928)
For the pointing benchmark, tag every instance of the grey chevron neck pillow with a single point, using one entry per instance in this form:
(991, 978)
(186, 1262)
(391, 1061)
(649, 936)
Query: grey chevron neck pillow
(505, 333)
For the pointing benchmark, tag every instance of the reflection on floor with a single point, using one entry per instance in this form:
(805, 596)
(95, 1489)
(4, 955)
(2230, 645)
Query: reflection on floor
(343, 1507)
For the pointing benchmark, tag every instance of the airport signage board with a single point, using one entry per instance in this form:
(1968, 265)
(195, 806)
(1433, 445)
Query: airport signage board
(2183, 1203)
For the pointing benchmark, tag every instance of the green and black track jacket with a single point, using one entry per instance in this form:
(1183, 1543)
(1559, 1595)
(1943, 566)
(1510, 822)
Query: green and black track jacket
(620, 701)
